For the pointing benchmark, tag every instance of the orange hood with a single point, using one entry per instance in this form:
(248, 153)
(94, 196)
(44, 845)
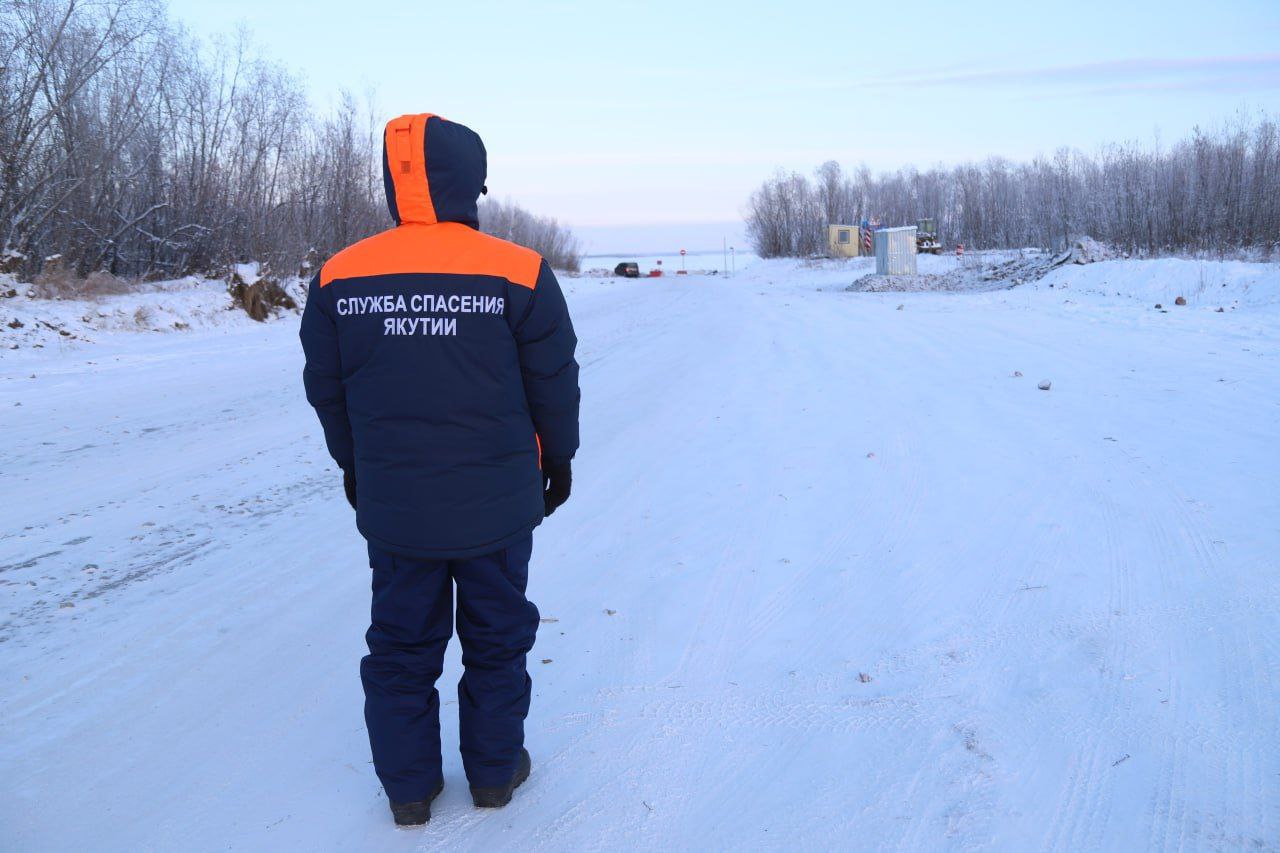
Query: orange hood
(433, 170)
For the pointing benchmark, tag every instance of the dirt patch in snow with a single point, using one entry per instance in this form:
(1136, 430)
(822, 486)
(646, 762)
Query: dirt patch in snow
(972, 277)
(902, 283)
(258, 294)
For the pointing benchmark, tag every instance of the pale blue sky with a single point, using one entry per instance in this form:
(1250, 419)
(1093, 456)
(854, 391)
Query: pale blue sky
(625, 113)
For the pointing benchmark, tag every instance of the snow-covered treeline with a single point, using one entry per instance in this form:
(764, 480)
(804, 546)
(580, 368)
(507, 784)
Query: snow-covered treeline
(1215, 192)
(126, 145)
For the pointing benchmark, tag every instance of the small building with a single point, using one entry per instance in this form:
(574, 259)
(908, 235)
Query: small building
(896, 250)
(843, 242)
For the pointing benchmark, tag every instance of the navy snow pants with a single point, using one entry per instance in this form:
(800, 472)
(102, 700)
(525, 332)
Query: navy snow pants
(411, 625)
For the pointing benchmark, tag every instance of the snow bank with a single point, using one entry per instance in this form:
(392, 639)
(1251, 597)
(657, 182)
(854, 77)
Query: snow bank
(805, 272)
(249, 273)
(199, 303)
(166, 306)
(1086, 250)
(1228, 285)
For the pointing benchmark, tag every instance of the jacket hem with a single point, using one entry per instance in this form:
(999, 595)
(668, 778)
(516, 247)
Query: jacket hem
(449, 553)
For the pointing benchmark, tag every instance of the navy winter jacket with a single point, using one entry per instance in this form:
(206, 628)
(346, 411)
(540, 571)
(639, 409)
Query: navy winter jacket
(441, 360)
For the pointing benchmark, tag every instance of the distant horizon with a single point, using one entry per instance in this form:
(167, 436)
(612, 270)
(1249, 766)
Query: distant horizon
(660, 239)
(660, 252)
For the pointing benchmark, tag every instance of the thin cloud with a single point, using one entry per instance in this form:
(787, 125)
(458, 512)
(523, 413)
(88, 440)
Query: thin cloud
(1229, 85)
(714, 156)
(1226, 74)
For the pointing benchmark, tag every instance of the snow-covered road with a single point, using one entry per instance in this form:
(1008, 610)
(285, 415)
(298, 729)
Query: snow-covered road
(831, 577)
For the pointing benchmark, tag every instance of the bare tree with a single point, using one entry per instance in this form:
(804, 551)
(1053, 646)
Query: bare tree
(128, 146)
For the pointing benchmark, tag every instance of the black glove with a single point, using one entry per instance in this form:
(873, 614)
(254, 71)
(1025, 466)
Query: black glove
(557, 479)
(349, 486)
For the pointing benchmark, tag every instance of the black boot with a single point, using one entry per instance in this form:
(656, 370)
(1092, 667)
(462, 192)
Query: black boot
(496, 798)
(417, 812)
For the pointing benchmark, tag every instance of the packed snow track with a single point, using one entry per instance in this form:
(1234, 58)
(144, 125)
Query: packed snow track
(832, 577)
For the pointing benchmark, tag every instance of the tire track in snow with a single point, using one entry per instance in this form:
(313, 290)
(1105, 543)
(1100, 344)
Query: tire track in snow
(1241, 677)
(1081, 820)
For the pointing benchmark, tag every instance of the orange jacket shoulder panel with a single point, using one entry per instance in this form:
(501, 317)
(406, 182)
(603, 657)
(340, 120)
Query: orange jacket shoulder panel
(444, 248)
(489, 255)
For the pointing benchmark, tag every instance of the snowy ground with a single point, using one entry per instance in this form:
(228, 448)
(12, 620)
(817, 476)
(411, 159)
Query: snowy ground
(28, 321)
(832, 577)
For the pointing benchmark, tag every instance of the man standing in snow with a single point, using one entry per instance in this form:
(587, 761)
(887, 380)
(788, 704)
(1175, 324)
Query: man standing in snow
(441, 364)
